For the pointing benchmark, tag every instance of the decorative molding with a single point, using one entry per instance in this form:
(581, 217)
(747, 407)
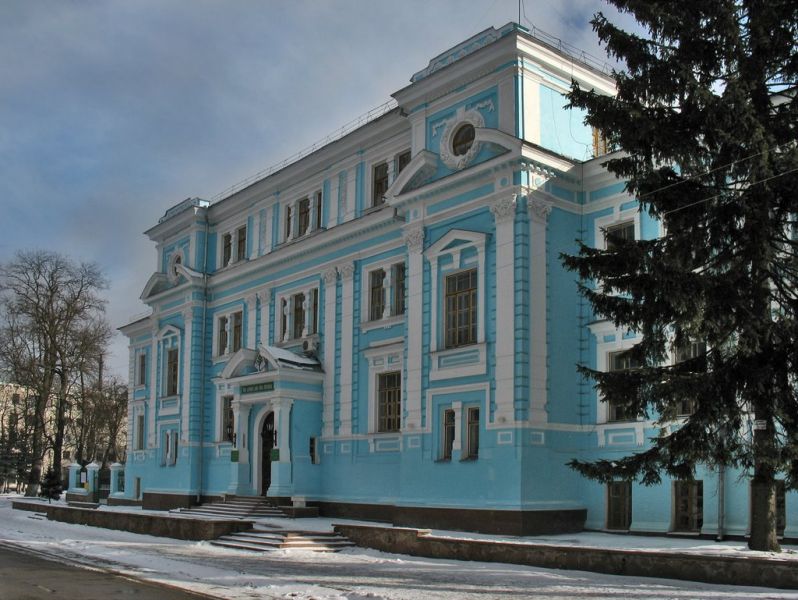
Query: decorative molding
(463, 117)
(414, 238)
(265, 295)
(346, 270)
(250, 300)
(503, 210)
(329, 275)
(539, 209)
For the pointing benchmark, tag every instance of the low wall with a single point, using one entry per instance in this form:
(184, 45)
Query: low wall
(671, 565)
(181, 528)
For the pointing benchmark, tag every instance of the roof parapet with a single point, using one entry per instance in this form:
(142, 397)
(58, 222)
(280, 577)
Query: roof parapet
(182, 206)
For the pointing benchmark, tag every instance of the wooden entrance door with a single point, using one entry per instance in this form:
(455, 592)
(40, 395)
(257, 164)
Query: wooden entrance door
(266, 444)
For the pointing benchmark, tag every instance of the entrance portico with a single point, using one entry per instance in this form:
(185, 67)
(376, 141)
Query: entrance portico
(261, 388)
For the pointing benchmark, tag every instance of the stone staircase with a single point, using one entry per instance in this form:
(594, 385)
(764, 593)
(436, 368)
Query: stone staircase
(261, 540)
(233, 507)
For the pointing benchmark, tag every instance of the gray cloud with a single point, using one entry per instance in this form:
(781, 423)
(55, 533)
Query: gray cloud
(112, 111)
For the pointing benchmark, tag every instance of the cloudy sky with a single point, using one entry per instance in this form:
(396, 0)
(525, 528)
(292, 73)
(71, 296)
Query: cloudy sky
(111, 111)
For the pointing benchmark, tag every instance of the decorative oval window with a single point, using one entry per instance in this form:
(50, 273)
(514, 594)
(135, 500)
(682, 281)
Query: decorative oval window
(174, 260)
(463, 139)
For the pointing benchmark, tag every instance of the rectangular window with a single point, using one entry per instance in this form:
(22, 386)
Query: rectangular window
(389, 391)
(461, 309)
(318, 210)
(299, 315)
(241, 243)
(313, 450)
(304, 217)
(689, 506)
(398, 289)
(227, 419)
(691, 352)
(621, 232)
(402, 161)
(171, 372)
(376, 295)
(221, 339)
(139, 432)
(288, 221)
(314, 315)
(142, 378)
(380, 184)
(170, 448)
(472, 434)
(619, 505)
(227, 249)
(447, 432)
(283, 319)
(238, 318)
(620, 361)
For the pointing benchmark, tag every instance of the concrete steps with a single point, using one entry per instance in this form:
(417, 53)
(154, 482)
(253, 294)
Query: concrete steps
(237, 507)
(261, 540)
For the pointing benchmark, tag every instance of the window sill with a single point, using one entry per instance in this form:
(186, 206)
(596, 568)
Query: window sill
(468, 459)
(443, 460)
(382, 323)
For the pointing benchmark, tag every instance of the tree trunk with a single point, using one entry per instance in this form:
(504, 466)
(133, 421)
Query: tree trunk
(60, 423)
(37, 448)
(763, 516)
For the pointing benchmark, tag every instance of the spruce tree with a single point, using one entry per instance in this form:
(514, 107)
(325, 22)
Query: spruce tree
(705, 125)
(51, 487)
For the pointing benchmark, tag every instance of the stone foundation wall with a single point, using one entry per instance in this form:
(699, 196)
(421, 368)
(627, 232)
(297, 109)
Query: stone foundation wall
(710, 569)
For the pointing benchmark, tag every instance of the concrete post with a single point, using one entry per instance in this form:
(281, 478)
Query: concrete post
(117, 473)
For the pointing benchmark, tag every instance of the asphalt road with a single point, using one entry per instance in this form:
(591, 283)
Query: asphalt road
(28, 577)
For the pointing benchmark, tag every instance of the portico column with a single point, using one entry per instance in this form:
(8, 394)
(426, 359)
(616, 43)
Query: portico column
(347, 272)
(282, 482)
(330, 277)
(503, 212)
(539, 211)
(414, 240)
(240, 480)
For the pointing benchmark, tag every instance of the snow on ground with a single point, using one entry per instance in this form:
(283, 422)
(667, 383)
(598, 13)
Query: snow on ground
(357, 574)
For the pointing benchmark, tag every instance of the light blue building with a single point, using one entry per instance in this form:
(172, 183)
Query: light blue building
(384, 327)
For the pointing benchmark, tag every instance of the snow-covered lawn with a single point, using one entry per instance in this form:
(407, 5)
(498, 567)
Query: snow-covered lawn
(358, 574)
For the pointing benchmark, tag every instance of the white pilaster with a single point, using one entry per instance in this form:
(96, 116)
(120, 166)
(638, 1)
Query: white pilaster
(185, 399)
(151, 437)
(414, 240)
(539, 211)
(307, 306)
(314, 201)
(252, 317)
(332, 203)
(330, 277)
(346, 271)
(282, 420)
(287, 314)
(504, 215)
(387, 307)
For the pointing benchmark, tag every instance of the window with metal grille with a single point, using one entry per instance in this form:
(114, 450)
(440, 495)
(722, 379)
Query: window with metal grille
(241, 243)
(689, 505)
(299, 315)
(376, 294)
(402, 161)
(461, 308)
(619, 505)
(472, 434)
(227, 419)
(621, 232)
(313, 326)
(620, 361)
(227, 248)
(389, 391)
(171, 372)
(142, 378)
(304, 217)
(447, 431)
(288, 221)
(221, 339)
(690, 352)
(380, 184)
(398, 288)
(139, 432)
(238, 318)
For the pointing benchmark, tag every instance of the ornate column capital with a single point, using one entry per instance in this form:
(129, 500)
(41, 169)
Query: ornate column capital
(503, 210)
(413, 237)
(265, 295)
(347, 270)
(538, 208)
(329, 275)
(250, 299)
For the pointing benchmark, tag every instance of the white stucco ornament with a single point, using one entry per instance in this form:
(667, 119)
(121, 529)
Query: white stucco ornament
(447, 151)
(171, 271)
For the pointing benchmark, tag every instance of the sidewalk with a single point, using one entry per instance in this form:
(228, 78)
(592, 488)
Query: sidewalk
(360, 573)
